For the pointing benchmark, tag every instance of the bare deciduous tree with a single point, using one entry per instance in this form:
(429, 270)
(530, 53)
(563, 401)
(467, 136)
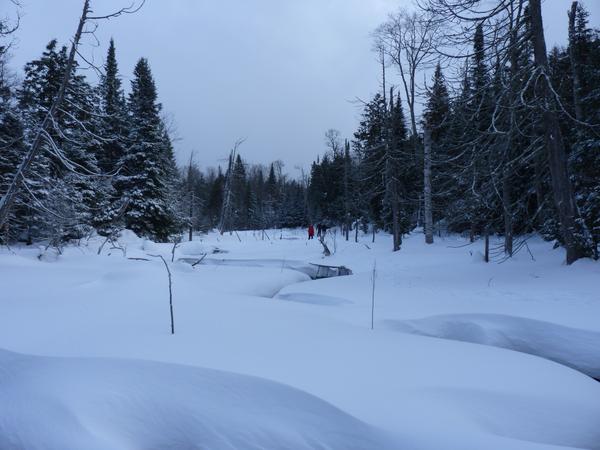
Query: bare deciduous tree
(460, 17)
(410, 41)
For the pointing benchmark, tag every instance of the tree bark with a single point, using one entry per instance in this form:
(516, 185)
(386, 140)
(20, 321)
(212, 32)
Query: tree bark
(396, 224)
(573, 57)
(557, 159)
(427, 186)
(487, 245)
(508, 219)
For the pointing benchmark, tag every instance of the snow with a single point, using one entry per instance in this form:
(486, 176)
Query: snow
(81, 403)
(569, 346)
(421, 378)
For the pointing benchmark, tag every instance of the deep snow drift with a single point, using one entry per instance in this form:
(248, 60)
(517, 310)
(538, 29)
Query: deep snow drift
(78, 403)
(572, 347)
(257, 313)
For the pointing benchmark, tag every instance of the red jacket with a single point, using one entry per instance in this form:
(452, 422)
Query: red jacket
(311, 230)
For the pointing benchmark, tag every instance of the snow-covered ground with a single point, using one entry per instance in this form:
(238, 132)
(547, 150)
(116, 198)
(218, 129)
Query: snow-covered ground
(420, 380)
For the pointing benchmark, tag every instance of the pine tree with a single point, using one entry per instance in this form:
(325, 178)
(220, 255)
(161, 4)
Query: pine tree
(436, 124)
(215, 198)
(369, 145)
(60, 182)
(239, 192)
(272, 199)
(479, 109)
(113, 110)
(147, 166)
(584, 66)
(11, 142)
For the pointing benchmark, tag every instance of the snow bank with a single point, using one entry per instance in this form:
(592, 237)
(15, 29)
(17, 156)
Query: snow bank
(571, 347)
(437, 394)
(86, 403)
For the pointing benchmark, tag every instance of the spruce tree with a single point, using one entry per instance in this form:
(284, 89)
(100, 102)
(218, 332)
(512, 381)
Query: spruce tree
(436, 120)
(11, 143)
(60, 183)
(113, 110)
(147, 175)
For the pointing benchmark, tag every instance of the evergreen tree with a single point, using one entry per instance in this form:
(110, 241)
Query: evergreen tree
(215, 198)
(436, 118)
(114, 115)
(11, 142)
(369, 145)
(147, 174)
(60, 184)
(584, 65)
(239, 192)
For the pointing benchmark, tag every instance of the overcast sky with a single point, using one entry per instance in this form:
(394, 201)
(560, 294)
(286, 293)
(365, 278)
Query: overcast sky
(277, 72)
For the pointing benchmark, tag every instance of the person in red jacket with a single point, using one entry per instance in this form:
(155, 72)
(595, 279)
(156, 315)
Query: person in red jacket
(311, 232)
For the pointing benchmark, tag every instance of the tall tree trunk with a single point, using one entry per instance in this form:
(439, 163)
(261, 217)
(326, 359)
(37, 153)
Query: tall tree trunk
(557, 159)
(506, 203)
(7, 201)
(427, 186)
(539, 189)
(191, 230)
(226, 206)
(487, 245)
(574, 59)
(507, 170)
(396, 224)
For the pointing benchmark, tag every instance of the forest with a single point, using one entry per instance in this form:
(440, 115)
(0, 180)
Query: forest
(507, 143)
(166, 290)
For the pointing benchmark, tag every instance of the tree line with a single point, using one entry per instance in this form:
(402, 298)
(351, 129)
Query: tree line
(243, 197)
(108, 163)
(106, 160)
(508, 142)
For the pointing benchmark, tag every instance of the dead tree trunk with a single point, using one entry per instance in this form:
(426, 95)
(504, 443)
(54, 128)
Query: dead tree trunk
(427, 186)
(557, 159)
(396, 224)
(539, 165)
(574, 59)
(392, 195)
(226, 206)
(487, 245)
(326, 250)
(508, 219)
(191, 198)
(507, 170)
(7, 201)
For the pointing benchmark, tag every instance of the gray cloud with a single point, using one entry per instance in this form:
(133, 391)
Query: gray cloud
(277, 72)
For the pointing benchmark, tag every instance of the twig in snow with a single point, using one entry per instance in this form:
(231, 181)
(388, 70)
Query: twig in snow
(170, 290)
(176, 243)
(200, 260)
(529, 250)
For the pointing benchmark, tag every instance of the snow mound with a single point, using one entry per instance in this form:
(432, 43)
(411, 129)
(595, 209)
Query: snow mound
(572, 347)
(76, 403)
